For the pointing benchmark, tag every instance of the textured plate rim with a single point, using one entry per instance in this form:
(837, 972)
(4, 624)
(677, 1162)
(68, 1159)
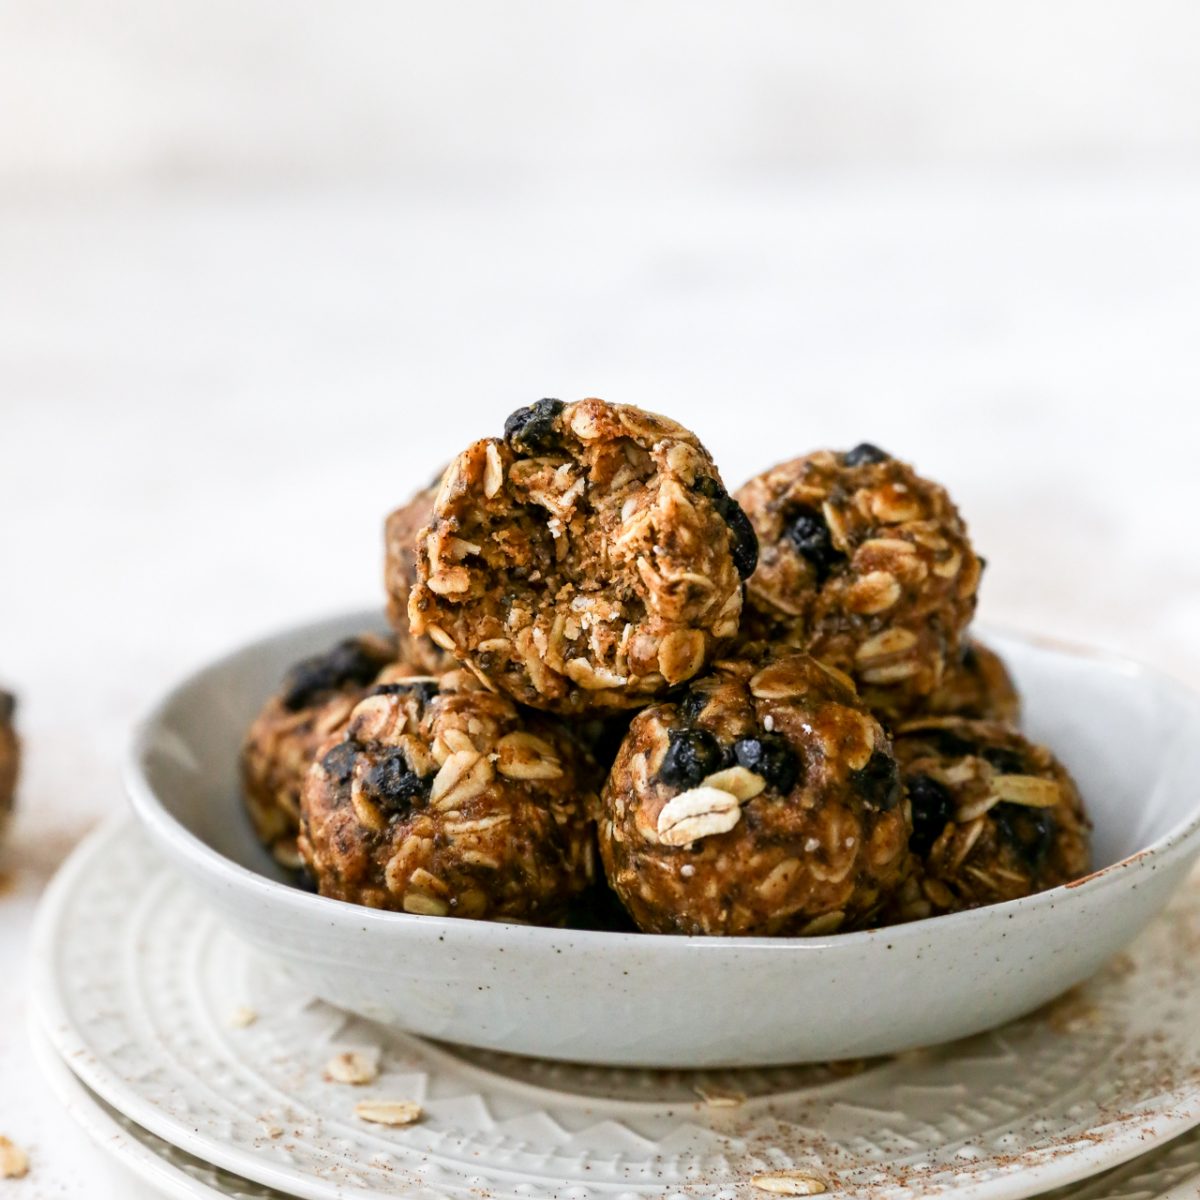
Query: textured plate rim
(1181, 840)
(84, 1108)
(1179, 1112)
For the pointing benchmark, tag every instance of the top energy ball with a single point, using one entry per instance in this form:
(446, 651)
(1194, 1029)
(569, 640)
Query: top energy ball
(590, 559)
(865, 565)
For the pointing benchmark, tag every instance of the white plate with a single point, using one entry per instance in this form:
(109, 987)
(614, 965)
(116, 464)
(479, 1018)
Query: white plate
(168, 1172)
(1170, 1173)
(136, 982)
(1131, 737)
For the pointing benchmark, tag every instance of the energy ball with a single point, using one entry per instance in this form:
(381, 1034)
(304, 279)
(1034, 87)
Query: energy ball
(994, 816)
(864, 564)
(590, 559)
(10, 756)
(444, 799)
(400, 535)
(764, 800)
(315, 699)
(977, 686)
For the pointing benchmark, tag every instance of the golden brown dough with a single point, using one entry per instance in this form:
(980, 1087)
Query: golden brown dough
(864, 564)
(441, 798)
(588, 560)
(995, 816)
(10, 756)
(315, 699)
(977, 686)
(765, 800)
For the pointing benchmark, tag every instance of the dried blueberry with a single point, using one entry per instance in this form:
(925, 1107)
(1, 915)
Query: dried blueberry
(809, 533)
(530, 430)
(743, 541)
(692, 754)
(969, 658)
(864, 453)
(338, 764)
(770, 756)
(932, 807)
(878, 783)
(8, 705)
(394, 785)
(1004, 761)
(348, 663)
(424, 689)
(692, 703)
(306, 881)
(1028, 831)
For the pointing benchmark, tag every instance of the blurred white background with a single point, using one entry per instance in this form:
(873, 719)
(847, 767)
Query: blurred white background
(264, 266)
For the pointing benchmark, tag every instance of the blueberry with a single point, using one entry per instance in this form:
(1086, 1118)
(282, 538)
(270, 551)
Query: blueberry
(692, 754)
(809, 533)
(743, 541)
(878, 783)
(692, 703)
(969, 657)
(347, 663)
(864, 453)
(1004, 761)
(306, 881)
(1028, 831)
(394, 785)
(769, 755)
(424, 689)
(8, 705)
(338, 764)
(530, 430)
(932, 807)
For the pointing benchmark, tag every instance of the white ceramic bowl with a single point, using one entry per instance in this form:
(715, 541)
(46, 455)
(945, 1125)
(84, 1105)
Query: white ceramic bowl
(1132, 739)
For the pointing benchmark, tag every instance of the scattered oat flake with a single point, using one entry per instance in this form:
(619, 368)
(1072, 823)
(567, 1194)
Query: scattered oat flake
(789, 1183)
(14, 1162)
(351, 1067)
(273, 1131)
(388, 1112)
(715, 1098)
(242, 1016)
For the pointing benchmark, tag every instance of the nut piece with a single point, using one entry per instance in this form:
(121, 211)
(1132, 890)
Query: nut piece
(242, 1017)
(14, 1162)
(789, 1183)
(352, 1067)
(697, 814)
(388, 1112)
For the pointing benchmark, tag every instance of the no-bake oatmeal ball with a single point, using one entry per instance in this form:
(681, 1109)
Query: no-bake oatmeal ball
(315, 699)
(588, 560)
(866, 565)
(977, 686)
(400, 534)
(442, 798)
(995, 816)
(10, 756)
(765, 800)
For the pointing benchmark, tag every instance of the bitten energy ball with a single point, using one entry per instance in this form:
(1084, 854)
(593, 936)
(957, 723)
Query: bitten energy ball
(994, 816)
(400, 535)
(765, 800)
(590, 559)
(10, 756)
(315, 699)
(864, 564)
(978, 686)
(444, 799)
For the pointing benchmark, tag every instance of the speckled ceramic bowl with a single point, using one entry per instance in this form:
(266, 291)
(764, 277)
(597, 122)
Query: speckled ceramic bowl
(1132, 738)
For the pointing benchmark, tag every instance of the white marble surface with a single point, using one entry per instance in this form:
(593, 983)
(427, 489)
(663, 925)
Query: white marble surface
(209, 398)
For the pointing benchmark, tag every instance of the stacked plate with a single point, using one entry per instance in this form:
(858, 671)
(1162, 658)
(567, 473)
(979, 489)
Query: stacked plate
(214, 1070)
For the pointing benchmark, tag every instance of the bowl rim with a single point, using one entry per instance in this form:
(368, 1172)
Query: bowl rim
(169, 832)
